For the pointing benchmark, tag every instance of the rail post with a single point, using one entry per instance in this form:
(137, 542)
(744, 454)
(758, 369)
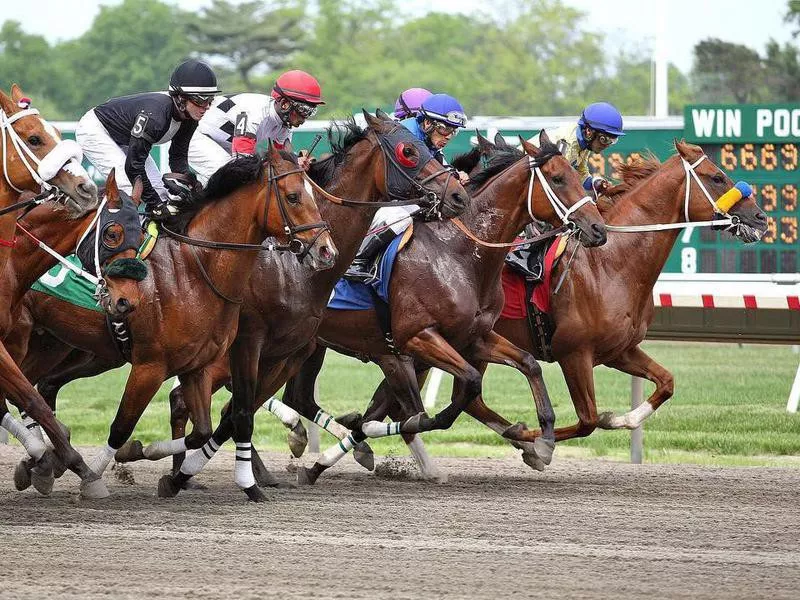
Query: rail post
(637, 435)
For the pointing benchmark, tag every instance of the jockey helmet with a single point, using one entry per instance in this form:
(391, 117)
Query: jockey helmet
(443, 108)
(194, 80)
(299, 86)
(603, 117)
(409, 102)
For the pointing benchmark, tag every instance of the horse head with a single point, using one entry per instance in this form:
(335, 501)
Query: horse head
(410, 172)
(34, 156)
(560, 197)
(711, 195)
(110, 248)
(291, 200)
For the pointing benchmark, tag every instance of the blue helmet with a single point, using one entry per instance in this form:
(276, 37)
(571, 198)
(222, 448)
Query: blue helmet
(444, 108)
(603, 117)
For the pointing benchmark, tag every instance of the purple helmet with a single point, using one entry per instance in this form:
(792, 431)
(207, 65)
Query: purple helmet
(409, 102)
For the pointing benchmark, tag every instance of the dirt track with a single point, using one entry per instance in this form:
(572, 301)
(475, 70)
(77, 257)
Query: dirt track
(583, 529)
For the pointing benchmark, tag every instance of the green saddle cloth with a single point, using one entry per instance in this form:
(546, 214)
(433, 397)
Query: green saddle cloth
(66, 285)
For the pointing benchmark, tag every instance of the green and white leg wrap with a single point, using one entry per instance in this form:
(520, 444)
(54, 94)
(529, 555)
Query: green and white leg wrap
(335, 453)
(288, 416)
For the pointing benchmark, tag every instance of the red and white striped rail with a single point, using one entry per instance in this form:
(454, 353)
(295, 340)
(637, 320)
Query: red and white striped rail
(780, 291)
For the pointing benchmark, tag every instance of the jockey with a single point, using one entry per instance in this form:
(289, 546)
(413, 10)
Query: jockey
(409, 103)
(121, 132)
(599, 127)
(242, 123)
(439, 119)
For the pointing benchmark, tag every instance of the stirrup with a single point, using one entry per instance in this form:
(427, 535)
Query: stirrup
(367, 274)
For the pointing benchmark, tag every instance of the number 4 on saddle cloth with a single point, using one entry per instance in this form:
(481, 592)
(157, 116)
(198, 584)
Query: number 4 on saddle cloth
(526, 287)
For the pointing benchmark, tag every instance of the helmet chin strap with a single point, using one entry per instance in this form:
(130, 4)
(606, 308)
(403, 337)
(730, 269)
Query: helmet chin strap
(180, 104)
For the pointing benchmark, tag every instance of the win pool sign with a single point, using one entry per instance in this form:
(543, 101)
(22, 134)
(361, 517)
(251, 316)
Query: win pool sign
(742, 122)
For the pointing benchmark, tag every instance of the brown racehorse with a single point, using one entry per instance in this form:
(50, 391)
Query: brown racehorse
(599, 316)
(33, 155)
(182, 317)
(445, 295)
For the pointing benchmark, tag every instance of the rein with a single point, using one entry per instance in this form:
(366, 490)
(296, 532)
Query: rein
(728, 222)
(523, 242)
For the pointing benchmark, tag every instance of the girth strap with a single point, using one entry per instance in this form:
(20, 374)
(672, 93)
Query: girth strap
(120, 334)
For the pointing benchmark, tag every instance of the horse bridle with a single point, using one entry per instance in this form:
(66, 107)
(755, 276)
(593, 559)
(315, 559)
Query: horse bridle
(295, 245)
(66, 154)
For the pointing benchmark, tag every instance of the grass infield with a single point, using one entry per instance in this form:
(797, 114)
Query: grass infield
(729, 408)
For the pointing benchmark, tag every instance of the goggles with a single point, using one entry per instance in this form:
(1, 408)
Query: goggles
(303, 109)
(200, 100)
(445, 130)
(607, 139)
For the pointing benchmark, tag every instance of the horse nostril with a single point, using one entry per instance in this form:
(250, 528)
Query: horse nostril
(123, 306)
(87, 189)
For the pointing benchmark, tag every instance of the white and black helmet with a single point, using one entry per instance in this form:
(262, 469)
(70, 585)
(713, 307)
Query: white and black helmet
(193, 79)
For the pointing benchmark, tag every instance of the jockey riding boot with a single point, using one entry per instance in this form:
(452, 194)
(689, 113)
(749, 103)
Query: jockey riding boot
(364, 267)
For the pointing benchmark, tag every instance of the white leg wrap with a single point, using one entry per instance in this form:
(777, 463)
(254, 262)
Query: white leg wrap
(243, 474)
(375, 429)
(100, 462)
(158, 450)
(335, 453)
(33, 445)
(195, 461)
(329, 424)
(632, 419)
(32, 425)
(288, 416)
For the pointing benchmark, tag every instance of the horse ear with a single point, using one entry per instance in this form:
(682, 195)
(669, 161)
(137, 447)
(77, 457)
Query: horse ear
(499, 140)
(382, 115)
(485, 146)
(7, 104)
(16, 93)
(528, 147)
(273, 154)
(544, 138)
(112, 191)
(374, 122)
(138, 188)
(688, 151)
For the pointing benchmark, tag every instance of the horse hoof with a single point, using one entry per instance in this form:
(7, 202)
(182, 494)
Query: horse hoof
(130, 451)
(167, 488)
(306, 476)
(364, 456)
(42, 483)
(254, 494)
(297, 438)
(22, 475)
(436, 478)
(94, 490)
(533, 461)
(544, 449)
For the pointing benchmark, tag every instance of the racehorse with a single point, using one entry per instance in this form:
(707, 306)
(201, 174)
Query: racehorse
(445, 295)
(285, 315)
(602, 311)
(277, 325)
(183, 316)
(34, 157)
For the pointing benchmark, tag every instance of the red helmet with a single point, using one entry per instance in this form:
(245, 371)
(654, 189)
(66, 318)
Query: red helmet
(298, 85)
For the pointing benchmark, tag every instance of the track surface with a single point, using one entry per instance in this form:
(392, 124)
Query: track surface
(584, 529)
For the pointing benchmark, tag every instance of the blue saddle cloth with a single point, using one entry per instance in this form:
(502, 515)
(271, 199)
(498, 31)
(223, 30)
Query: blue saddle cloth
(355, 295)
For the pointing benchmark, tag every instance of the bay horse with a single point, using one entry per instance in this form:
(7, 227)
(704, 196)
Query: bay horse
(445, 295)
(277, 325)
(34, 157)
(182, 317)
(601, 313)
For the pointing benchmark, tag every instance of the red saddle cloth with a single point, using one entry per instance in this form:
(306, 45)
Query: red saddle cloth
(514, 288)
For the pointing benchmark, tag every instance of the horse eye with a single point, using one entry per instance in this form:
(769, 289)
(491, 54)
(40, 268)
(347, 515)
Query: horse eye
(293, 197)
(408, 151)
(35, 140)
(718, 178)
(113, 236)
(558, 180)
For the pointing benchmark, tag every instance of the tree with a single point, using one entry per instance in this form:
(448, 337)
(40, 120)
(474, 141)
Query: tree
(251, 36)
(793, 15)
(727, 72)
(782, 68)
(130, 48)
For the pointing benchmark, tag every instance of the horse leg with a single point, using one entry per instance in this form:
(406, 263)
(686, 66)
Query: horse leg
(579, 376)
(637, 362)
(496, 349)
(143, 383)
(23, 395)
(401, 382)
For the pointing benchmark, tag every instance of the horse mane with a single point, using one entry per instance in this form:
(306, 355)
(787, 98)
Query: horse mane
(467, 161)
(498, 161)
(634, 173)
(228, 178)
(342, 135)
